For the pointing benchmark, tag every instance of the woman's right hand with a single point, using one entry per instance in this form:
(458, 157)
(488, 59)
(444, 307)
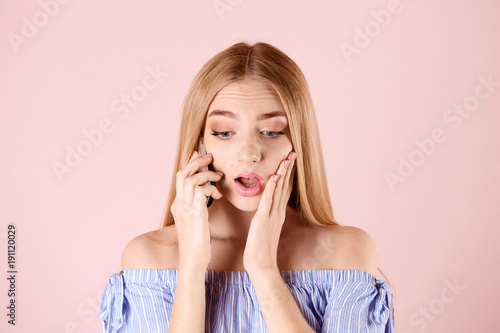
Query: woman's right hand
(191, 214)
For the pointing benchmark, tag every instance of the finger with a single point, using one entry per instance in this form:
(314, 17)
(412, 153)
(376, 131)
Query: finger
(195, 163)
(211, 191)
(272, 198)
(201, 178)
(279, 184)
(181, 176)
(266, 201)
(278, 192)
(194, 154)
(282, 171)
(202, 192)
(287, 183)
(199, 199)
(184, 175)
(200, 183)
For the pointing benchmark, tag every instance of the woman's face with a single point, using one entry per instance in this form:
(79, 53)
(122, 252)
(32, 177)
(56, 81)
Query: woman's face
(247, 132)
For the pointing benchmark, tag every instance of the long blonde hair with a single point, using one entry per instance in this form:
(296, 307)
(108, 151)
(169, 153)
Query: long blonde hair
(267, 64)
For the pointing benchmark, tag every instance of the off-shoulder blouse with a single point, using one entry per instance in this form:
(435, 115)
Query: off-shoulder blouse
(140, 300)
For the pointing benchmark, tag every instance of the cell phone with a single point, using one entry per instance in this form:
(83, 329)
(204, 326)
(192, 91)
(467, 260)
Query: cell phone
(202, 152)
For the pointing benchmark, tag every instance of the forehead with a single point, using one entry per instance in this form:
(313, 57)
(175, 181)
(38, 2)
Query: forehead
(247, 96)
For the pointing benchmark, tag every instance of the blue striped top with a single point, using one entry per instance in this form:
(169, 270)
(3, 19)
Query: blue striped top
(140, 300)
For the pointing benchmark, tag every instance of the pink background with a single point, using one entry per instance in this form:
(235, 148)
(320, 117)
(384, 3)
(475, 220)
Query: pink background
(436, 228)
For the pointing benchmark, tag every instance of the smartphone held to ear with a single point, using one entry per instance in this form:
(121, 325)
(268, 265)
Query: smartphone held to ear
(202, 152)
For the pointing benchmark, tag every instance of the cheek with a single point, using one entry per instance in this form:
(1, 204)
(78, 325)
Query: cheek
(229, 167)
(224, 164)
(285, 150)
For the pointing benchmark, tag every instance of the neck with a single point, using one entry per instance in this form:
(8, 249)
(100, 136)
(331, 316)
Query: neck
(228, 222)
(222, 218)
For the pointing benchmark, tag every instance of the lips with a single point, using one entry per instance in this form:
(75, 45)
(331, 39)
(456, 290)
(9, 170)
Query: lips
(249, 177)
(248, 185)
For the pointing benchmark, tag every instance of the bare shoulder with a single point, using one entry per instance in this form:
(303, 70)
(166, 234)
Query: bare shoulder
(354, 248)
(151, 250)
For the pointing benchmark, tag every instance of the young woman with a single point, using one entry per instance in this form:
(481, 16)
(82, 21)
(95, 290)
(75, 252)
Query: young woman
(249, 242)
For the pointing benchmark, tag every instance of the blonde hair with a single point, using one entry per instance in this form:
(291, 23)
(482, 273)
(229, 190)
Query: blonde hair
(267, 64)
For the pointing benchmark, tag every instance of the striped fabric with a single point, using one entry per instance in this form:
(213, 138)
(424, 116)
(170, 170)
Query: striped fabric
(140, 300)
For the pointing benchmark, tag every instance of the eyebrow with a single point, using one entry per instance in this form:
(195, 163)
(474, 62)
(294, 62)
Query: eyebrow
(262, 116)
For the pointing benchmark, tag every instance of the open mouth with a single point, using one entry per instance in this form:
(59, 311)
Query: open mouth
(248, 187)
(248, 182)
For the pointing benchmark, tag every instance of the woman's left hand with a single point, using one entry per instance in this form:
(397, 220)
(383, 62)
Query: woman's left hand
(264, 234)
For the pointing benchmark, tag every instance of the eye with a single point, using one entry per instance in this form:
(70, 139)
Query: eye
(275, 134)
(272, 134)
(217, 134)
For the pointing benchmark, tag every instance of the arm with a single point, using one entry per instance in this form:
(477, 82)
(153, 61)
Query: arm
(188, 311)
(188, 307)
(191, 215)
(193, 244)
(279, 309)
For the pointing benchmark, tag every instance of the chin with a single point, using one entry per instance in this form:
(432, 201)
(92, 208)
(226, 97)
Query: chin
(245, 204)
(247, 208)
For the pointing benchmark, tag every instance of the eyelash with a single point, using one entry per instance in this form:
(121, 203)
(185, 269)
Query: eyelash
(274, 137)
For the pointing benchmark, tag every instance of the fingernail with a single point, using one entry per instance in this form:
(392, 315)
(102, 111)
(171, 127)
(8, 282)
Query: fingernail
(219, 173)
(287, 163)
(207, 155)
(276, 178)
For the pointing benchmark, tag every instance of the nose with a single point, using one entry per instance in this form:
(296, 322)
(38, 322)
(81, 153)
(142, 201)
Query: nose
(249, 153)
